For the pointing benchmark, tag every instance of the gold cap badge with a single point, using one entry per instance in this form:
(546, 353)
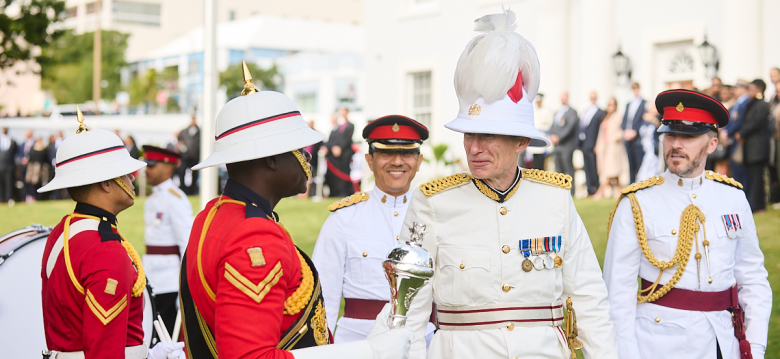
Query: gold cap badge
(80, 118)
(475, 110)
(396, 128)
(680, 107)
(256, 256)
(249, 87)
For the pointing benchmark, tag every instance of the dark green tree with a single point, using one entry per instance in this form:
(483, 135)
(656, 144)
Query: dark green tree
(232, 78)
(66, 65)
(28, 29)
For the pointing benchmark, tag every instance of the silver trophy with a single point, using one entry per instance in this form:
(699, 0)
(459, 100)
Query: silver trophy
(408, 267)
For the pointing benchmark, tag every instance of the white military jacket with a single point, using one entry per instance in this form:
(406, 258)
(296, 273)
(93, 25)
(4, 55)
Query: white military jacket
(168, 221)
(652, 331)
(474, 241)
(352, 244)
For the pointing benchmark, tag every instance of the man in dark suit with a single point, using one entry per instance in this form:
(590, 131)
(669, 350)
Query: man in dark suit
(590, 122)
(339, 155)
(755, 136)
(632, 121)
(189, 146)
(7, 166)
(563, 135)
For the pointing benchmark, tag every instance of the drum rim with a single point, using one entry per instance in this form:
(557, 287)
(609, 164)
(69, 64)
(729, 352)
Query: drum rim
(42, 232)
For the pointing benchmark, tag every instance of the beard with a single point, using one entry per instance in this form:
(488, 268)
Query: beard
(686, 171)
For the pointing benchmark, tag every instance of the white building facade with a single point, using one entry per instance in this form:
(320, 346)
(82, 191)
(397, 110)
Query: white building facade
(413, 47)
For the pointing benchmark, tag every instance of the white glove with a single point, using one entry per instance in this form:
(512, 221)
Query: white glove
(389, 343)
(167, 351)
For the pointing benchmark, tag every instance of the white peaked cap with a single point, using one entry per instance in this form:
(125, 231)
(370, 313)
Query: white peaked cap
(258, 125)
(91, 157)
(496, 80)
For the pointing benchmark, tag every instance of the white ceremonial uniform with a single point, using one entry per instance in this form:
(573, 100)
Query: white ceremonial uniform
(466, 234)
(168, 221)
(348, 256)
(652, 331)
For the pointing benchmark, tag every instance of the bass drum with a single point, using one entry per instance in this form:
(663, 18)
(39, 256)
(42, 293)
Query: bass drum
(21, 316)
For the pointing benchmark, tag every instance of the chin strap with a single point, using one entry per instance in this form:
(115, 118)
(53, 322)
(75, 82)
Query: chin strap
(124, 187)
(304, 164)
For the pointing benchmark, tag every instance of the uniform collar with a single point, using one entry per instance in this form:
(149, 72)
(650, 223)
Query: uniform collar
(496, 195)
(164, 185)
(107, 219)
(256, 205)
(687, 184)
(391, 201)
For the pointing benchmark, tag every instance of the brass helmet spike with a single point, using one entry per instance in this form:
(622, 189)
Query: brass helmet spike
(249, 87)
(80, 117)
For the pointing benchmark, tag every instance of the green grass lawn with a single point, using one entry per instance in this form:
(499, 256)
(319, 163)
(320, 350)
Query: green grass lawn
(304, 218)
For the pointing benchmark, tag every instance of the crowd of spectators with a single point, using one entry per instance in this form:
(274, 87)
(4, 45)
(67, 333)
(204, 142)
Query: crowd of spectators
(748, 149)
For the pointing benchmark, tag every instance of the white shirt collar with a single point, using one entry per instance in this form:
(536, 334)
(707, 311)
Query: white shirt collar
(686, 184)
(163, 186)
(390, 200)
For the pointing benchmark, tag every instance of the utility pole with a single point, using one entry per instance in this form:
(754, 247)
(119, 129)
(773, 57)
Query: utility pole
(208, 176)
(96, 58)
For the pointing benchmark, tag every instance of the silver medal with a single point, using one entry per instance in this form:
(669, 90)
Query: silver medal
(549, 263)
(538, 263)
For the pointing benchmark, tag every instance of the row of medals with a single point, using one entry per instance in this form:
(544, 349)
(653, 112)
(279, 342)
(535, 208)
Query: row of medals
(542, 262)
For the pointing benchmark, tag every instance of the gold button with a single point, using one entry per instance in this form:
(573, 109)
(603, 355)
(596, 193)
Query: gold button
(657, 320)
(510, 326)
(462, 266)
(254, 205)
(693, 195)
(365, 254)
(506, 287)
(505, 249)
(674, 231)
(502, 211)
(395, 214)
(397, 237)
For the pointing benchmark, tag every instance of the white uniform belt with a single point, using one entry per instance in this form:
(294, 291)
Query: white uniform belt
(543, 314)
(135, 352)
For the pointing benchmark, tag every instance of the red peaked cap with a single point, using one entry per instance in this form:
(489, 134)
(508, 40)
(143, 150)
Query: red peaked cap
(154, 154)
(686, 111)
(395, 127)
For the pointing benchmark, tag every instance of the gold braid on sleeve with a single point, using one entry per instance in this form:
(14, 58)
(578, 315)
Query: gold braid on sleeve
(436, 186)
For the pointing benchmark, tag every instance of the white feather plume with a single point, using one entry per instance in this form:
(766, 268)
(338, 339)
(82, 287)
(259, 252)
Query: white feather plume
(488, 66)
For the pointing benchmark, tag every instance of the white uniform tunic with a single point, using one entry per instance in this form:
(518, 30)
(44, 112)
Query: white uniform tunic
(168, 221)
(465, 234)
(348, 255)
(652, 331)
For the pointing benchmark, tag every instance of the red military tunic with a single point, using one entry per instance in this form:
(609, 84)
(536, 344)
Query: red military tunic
(105, 318)
(251, 266)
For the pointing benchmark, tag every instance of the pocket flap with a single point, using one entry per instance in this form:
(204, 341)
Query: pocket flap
(469, 257)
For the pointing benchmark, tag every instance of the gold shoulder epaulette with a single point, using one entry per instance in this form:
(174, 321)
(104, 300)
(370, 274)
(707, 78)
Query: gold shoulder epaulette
(174, 192)
(556, 179)
(722, 179)
(348, 201)
(436, 186)
(652, 181)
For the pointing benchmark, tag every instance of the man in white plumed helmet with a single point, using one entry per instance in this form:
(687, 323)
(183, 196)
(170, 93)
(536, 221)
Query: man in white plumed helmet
(93, 279)
(512, 258)
(247, 291)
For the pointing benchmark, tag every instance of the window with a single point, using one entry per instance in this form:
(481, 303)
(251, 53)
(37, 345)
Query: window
(92, 7)
(306, 96)
(72, 12)
(135, 13)
(232, 15)
(421, 97)
(345, 89)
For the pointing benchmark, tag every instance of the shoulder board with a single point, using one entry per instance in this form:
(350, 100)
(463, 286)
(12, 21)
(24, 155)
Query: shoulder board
(652, 181)
(175, 193)
(348, 201)
(556, 179)
(717, 177)
(436, 186)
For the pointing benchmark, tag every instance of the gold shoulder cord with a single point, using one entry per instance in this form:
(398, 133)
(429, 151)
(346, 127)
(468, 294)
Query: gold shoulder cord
(556, 179)
(436, 186)
(348, 201)
(721, 178)
(140, 282)
(689, 228)
(295, 302)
